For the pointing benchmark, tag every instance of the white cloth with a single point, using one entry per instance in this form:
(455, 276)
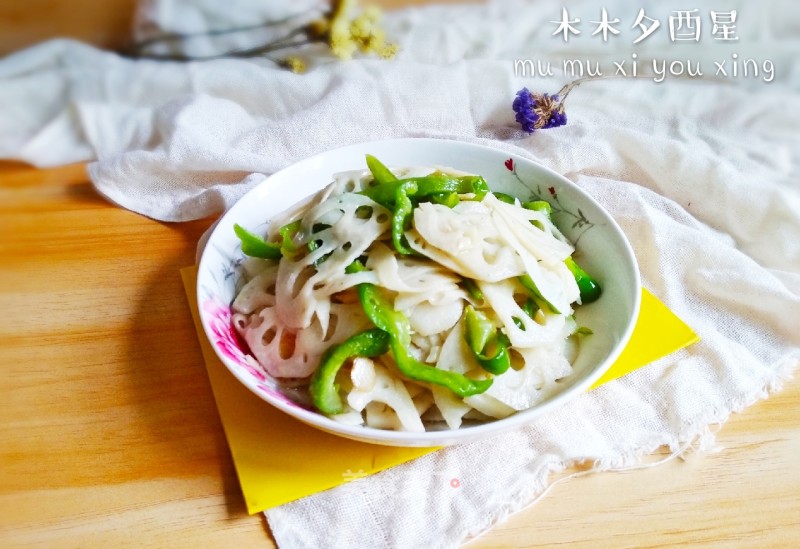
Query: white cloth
(702, 175)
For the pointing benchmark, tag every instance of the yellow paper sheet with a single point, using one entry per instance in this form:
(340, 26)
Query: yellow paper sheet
(658, 332)
(279, 459)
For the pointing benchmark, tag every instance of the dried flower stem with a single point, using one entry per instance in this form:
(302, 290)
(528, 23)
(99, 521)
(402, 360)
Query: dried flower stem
(136, 48)
(564, 91)
(284, 42)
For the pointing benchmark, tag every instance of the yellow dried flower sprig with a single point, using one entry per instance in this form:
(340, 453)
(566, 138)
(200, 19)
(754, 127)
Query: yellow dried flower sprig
(348, 30)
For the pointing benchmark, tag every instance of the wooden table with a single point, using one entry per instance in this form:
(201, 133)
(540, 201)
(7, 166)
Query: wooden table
(109, 435)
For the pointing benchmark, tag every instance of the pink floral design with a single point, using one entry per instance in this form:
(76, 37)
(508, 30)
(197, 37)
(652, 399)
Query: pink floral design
(231, 346)
(225, 337)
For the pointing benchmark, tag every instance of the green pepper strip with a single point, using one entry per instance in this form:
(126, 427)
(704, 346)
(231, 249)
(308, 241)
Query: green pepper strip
(472, 289)
(323, 388)
(450, 200)
(401, 218)
(590, 289)
(385, 193)
(490, 346)
(255, 246)
(397, 195)
(395, 324)
(380, 172)
(440, 183)
(529, 284)
(539, 206)
(530, 307)
(504, 197)
(287, 232)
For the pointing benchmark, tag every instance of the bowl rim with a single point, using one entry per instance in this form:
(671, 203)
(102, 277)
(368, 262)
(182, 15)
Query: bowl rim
(436, 437)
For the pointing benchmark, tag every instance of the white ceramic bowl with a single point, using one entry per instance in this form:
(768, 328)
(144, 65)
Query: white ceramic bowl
(602, 250)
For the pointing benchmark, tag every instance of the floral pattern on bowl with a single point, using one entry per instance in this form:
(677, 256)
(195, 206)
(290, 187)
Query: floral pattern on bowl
(215, 310)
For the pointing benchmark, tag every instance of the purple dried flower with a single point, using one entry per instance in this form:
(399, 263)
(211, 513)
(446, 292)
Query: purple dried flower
(536, 111)
(523, 105)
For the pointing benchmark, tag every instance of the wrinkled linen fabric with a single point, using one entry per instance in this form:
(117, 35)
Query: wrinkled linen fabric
(701, 174)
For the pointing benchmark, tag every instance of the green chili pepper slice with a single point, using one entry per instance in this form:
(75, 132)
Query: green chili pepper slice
(323, 388)
(450, 200)
(472, 289)
(356, 266)
(385, 190)
(440, 183)
(428, 186)
(489, 345)
(288, 232)
(401, 218)
(589, 287)
(397, 195)
(504, 197)
(379, 171)
(530, 307)
(382, 314)
(400, 195)
(537, 296)
(478, 329)
(384, 194)
(539, 206)
(255, 246)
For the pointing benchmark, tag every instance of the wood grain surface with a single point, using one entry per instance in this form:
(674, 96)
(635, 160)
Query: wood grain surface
(109, 434)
